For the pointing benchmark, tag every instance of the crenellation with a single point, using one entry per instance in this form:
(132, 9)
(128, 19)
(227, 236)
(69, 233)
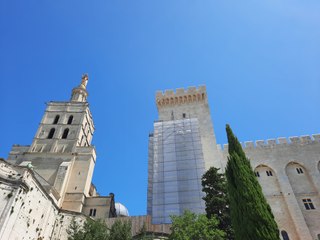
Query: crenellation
(294, 140)
(249, 144)
(271, 142)
(181, 96)
(260, 143)
(316, 137)
(305, 139)
(281, 141)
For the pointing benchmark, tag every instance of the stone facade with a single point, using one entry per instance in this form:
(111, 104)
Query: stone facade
(44, 185)
(287, 170)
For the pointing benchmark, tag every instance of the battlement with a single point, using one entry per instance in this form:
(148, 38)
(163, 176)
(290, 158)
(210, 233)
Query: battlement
(181, 96)
(281, 141)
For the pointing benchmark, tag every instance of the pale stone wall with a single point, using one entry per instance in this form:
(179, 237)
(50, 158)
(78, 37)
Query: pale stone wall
(191, 103)
(26, 209)
(286, 188)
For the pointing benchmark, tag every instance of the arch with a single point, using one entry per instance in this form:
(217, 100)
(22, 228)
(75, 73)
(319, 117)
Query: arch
(299, 179)
(70, 119)
(65, 133)
(56, 119)
(285, 235)
(268, 180)
(51, 133)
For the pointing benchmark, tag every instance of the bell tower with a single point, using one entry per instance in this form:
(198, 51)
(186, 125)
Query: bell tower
(61, 153)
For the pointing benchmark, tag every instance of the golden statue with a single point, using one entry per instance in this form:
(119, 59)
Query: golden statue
(84, 80)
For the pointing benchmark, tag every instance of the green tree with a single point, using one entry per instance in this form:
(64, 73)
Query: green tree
(251, 215)
(120, 230)
(91, 230)
(191, 226)
(217, 203)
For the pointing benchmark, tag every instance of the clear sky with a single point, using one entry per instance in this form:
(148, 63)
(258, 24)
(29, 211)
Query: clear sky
(260, 61)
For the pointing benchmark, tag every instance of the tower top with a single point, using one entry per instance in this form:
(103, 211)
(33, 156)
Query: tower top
(79, 94)
(181, 96)
(84, 80)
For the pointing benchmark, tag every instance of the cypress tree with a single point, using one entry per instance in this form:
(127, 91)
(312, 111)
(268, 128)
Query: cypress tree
(251, 215)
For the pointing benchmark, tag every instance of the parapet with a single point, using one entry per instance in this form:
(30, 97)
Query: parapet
(281, 141)
(181, 96)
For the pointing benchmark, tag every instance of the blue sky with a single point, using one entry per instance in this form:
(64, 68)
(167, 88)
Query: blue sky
(260, 61)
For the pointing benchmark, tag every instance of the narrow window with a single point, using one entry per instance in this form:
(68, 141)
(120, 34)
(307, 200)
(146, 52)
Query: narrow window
(56, 119)
(94, 212)
(284, 235)
(51, 133)
(70, 119)
(308, 204)
(91, 211)
(257, 174)
(183, 115)
(65, 133)
(299, 170)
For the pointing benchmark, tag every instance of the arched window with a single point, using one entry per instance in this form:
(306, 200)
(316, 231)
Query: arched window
(65, 133)
(51, 133)
(284, 235)
(56, 119)
(70, 119)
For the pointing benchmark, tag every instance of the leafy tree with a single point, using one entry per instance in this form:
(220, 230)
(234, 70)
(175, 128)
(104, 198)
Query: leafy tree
(191, 226)
(91, 230)
(251, 215)
(217, 204)
(74, 231)
(120, 231)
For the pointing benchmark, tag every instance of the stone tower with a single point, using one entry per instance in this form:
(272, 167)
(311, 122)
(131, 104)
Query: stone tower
(61, 154)
(181, 148)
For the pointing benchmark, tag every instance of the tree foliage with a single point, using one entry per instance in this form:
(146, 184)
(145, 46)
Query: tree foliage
(91, 230)
(250, 213)
(120, 231)
(98, 230)
(191, 226)
(217, 203)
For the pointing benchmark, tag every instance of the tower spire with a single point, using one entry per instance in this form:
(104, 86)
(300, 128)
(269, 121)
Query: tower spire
(79, 94)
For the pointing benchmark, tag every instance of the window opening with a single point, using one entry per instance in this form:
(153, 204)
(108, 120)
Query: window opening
(51, 133)
(308, 204)
(65, 133)
(269, 173)
(70, 119)
(94, 212)
(184, 115)
(91, 211)
(257, 174)
(56, 119)
(284, 235)
(299, 170)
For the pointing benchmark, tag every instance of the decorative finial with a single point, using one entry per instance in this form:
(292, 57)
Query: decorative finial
(84, 80)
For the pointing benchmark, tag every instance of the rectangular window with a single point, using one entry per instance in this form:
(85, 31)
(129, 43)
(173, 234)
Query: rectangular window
(257, 174)
(90, 213)
(299, 170)
(308, 204)
(94, 212)
(184, 115)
